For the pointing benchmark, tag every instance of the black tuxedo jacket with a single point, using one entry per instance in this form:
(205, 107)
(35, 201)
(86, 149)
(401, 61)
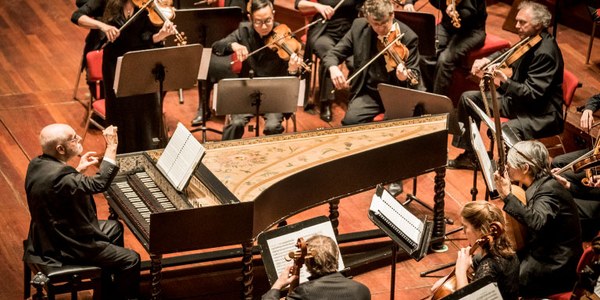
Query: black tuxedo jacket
(64, 226)
(332, 286)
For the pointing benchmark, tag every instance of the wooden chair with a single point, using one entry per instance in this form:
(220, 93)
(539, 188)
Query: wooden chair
(97, 104)
(64, 279)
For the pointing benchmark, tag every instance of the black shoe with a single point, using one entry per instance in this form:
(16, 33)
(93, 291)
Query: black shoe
(462, 161)
(197, 121)
(326, 111)
(396, 188)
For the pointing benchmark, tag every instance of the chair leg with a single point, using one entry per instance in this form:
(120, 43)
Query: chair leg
(76, 88)
(90, 111)
(589, 51)
(26, 281)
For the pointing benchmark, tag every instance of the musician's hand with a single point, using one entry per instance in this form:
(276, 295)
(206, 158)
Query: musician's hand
(587, 119)
(294, 63)
(463, 260)
(284, 279)
(478, 65)
(409, 7)
(240, 51)
(111, 32)
(401, 72)
(596, 181)
(110, 135)
(325, 10)
(338, 78)
(211, 2)
(560, 179)
(166, 30)
(502, 184)
(499, 76)
(87, 159)
(450, 9)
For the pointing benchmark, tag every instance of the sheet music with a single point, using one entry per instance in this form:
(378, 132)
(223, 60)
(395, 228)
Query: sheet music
(406, 223)
(117, 74)
(487, 170)
(488, 292)
(180, 158)
(280, 247)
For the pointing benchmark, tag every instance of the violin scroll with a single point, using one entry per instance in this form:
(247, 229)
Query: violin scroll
(453, 13)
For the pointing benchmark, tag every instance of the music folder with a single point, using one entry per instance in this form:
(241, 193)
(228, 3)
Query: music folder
(409, 232)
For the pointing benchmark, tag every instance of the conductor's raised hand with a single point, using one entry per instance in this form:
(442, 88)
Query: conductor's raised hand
(87, 159)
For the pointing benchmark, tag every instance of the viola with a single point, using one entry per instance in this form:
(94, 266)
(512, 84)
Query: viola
(454, 16)
(504, 62)
(282, 41)
(449, 285)
(159, 11)
(396, 55)
(590, 165)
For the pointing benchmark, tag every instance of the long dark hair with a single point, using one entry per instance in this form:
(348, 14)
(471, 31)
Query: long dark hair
(113, 10)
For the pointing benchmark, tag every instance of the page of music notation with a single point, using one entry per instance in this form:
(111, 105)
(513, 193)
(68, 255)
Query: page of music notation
(408, 224)
(180, 157)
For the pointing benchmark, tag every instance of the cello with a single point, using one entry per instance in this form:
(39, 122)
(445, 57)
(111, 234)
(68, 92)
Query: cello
(449, 285)
(299, 257)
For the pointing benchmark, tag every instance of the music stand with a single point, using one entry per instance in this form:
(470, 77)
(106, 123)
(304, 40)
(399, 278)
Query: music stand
(400, 102)
(206, 26)
(257, 96)
(423, 24)
(157, 70)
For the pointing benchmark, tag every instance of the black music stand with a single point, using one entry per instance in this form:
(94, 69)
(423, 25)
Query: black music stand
(400, 102)
(206, 26)
(157, 70)
(423, 24)
(257, 96)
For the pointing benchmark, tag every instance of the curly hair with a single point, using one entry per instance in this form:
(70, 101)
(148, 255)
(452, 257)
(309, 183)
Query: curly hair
(325, 258)
(378, 9)
(481, 214)
(539, 12)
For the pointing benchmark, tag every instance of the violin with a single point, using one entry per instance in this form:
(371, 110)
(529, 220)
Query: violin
(449, 285)
(454, 16)
(396, 55)
(160, 11)
(282, 41)
(299, 256)
(590, 165)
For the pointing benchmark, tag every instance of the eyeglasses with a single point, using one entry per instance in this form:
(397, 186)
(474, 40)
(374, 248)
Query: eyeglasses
(260, 23)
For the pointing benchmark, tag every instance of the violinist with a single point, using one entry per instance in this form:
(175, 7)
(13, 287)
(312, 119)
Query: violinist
(323, 36)
(495, 258)
(361, 42)
(137, 117)
(325, 282)
(531, 98)
(454, 43)
(553, 244)
(587, 198)
(247, 38)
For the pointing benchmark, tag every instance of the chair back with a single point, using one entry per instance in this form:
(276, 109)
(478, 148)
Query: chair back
(569, 85)
(94, 68)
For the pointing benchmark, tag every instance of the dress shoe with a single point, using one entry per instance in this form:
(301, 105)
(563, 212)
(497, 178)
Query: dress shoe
(325, 111)
(463, 161)
(396, 188)
(197, 121)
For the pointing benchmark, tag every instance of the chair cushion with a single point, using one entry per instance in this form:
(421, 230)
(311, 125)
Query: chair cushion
(66, 272)
(492, 44)
(99, 107)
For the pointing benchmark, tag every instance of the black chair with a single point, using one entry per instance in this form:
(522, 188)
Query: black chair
(65, 279)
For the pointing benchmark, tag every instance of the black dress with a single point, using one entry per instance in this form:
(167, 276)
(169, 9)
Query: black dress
(504, 270)
(137, 117)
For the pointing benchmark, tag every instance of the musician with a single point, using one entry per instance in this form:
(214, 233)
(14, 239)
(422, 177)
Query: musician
(361, 43)
(453, 44)
(325, 282)
(494, 258)
(553, 245)
(247, 38)
(323, 36)
(532, 96)
(586, 197)
(137, 116)
(64, 227)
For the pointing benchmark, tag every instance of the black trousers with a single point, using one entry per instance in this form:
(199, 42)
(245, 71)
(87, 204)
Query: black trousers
(363, 108)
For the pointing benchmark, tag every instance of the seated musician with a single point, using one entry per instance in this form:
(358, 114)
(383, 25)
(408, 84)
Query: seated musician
(247, 38)
(64, 228)
(494, 258)
(531, 97)
(553, 244)
(586, 196)
(325, 281)
(454, 43)
(361, 42)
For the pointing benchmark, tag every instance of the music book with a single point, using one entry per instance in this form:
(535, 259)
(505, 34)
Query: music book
(180, 158)
(408, 231)
(277, 243)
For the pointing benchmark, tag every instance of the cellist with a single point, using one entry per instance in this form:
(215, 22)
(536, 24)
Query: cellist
(532, 96)
(495, 258)
(552, 249)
